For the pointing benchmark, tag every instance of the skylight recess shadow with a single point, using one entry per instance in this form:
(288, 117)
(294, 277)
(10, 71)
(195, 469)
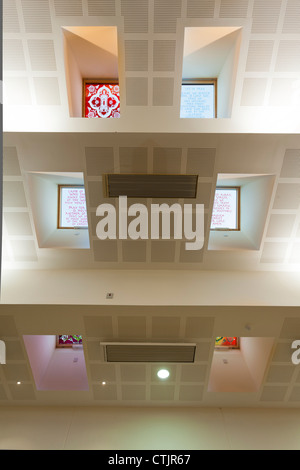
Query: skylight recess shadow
(210, 54)
(90, 53)
(242, 369)
(55, 368)
(44, 199)
(254, 199)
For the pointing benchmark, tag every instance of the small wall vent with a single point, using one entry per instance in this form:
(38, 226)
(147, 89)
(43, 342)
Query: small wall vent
(149, 352)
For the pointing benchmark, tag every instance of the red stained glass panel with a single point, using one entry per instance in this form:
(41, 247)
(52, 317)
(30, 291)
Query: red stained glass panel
(101, 100)
(226, 341)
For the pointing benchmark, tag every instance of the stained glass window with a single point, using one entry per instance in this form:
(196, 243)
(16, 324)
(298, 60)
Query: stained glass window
(227, 342)
(68, 340)
(101, 100)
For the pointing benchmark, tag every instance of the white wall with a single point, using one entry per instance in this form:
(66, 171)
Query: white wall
(36, 428)
(89, 287)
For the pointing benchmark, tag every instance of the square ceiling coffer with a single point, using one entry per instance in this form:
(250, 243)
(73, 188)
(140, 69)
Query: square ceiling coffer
(149, 352)
(152, 186)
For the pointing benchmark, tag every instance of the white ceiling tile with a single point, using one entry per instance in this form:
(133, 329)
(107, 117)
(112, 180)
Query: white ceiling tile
(133, 392)
(136, 55)
(291, 22)
(70, 8)
(13, 55)
(14, 194)
(190, 392)
(204, 9)
(232, 9)
(280, 225)
(164, 55)
(37, 18)
(273, 393)
(47, 91)
(291, 164)
(253, 92)
(166, 13)
(287, 196)
(274, 252)
(105, 250)
(259, 55)
(10, 17)
(265, 20)
(17, 223)
(11, 165)
(135, 19)
(136, 91)
(42, 54)
(163, 89)
(101, 7)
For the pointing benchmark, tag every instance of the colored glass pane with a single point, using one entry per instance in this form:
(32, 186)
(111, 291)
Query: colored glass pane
(101, 100)
(69, 339)
(226, 341)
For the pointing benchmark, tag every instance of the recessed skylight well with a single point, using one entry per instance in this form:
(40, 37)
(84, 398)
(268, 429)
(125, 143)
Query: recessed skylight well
(57, 213)
(239, 212)
(91, 53)
(209, 67)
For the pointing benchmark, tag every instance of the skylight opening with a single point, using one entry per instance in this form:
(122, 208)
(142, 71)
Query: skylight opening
(226, 209)
(199, 99)
(101, 99)
(72, 211)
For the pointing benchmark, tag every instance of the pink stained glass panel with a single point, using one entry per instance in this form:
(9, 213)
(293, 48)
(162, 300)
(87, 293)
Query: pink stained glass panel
(65, 340)
(101, 100)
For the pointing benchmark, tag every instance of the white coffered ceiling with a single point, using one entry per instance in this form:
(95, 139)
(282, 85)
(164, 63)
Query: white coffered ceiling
(43, 141)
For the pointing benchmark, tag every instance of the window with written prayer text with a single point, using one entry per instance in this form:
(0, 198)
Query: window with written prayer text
(198, 100)
(72, 207)
(101, 100)
(225, 215)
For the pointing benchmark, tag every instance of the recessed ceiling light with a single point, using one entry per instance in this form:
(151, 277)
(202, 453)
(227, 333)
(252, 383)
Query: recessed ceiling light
(103, 383)
(18, 383)
(163, 373)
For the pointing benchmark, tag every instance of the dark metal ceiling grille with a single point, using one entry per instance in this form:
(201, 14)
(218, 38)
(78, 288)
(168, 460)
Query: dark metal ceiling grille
(150, 186)
(124, 352)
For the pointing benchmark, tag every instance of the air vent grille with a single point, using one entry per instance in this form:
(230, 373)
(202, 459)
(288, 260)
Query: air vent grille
(149, 352)
(150, 186)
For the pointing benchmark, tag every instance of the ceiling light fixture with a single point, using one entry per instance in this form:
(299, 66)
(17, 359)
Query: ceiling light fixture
(163, 373)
